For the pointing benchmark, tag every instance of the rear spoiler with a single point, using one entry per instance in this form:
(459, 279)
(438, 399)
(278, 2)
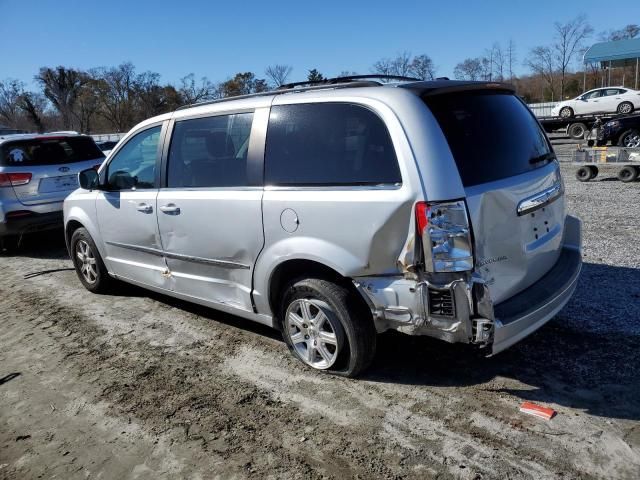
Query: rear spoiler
(425, 89)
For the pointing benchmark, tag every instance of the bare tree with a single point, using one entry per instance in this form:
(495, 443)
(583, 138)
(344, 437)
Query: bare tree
(33, 105)
(498, 61)
(194, 93)
(569, 39)
(422, 67)
(625, 33)
(404, 65)
(541, 60)
(278, 74)
(62, 87)
(469, 69)
(511, 58)
(116, 87)
(10, 91)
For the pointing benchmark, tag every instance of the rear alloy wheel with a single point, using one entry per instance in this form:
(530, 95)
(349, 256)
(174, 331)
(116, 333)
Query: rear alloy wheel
(577, 131)
(566, 112)
(583, 174)
(627, 174)
(89, 265)
(314, 332)
(630, 139)
(625, 107)
(327, 326)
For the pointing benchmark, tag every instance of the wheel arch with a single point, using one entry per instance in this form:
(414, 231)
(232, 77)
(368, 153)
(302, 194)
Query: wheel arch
(294, 269)
(77, 218)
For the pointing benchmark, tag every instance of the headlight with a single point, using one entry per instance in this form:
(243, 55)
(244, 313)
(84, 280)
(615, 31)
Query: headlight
(446, 236)
(613, 124)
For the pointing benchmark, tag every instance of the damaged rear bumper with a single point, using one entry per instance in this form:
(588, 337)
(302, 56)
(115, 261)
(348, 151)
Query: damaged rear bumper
(461, 311)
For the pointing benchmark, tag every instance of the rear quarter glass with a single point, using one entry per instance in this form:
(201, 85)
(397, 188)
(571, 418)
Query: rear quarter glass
(491, 135)
(48, 151)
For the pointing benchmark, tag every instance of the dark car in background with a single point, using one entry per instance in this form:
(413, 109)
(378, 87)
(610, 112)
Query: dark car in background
(622, 131)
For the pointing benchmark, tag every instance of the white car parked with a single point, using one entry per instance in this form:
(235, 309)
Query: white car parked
(601, 100)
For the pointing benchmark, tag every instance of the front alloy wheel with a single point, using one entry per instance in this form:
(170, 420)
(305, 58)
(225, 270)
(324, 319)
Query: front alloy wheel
(86, 262)
(313, 333)
(89, 266)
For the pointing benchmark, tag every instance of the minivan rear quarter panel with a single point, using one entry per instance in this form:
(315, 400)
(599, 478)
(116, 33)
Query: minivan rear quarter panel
(359, 230)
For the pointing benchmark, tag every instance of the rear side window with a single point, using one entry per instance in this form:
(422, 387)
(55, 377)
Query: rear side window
(491, 135)
(48, 151)
(328, 144)
(210, 152)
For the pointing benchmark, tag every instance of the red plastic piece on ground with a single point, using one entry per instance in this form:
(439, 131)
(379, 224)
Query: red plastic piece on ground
(537, 410)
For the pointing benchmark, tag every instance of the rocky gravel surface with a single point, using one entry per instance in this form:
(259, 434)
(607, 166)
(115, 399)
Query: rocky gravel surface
(137, 385)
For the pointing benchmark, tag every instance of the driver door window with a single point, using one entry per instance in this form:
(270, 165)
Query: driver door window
(592, 95)
(134, 165)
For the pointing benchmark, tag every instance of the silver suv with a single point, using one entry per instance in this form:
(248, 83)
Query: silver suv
(337, 212)
(36, 173)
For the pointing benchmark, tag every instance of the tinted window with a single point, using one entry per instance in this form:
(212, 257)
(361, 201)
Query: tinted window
(491, 135)
(49, 151)
(134, 165)
(611, 91)
(210, 152)
(328, 144)
(592, 95)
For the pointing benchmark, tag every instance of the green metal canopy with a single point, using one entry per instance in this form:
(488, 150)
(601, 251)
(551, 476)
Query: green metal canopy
(620, 53)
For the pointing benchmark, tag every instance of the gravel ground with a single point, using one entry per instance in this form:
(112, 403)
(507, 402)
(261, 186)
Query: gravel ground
(136, 385)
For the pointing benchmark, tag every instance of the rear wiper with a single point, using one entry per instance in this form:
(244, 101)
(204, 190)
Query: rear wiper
(543, 157)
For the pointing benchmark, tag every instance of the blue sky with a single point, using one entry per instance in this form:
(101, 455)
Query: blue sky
(217, 39)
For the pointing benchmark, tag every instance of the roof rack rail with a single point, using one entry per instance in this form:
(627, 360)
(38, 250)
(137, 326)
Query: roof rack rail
(336, 82)
(347, 79)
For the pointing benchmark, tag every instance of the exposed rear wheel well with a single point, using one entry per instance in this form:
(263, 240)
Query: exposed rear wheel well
(293, 270)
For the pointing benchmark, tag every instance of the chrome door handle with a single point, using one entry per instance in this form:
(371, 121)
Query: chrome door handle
(170, 208)
(144, 208)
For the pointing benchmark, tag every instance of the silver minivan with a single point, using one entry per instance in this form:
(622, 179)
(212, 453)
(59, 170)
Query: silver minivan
(337, 212)
(37, 171)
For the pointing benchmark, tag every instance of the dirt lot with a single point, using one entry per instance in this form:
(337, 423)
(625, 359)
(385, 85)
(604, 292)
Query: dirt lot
(142, 386)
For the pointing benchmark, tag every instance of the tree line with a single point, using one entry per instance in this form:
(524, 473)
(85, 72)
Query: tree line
(113, 99)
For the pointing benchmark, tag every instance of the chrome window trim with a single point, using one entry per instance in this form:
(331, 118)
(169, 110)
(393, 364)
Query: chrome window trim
(316, 188)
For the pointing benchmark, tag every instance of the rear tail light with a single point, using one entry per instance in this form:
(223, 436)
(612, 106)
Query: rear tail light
(446, 236)
(14, 179)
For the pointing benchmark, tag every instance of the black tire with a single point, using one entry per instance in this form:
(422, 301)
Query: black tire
(348, 313)
(627, 174)
(102, 281)
(594, 172)
(577, 131)
(625, 108)
(566, 112)
(630, 139)
(583, 174)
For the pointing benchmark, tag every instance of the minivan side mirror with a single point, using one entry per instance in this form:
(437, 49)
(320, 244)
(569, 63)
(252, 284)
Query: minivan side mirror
(89, 179)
